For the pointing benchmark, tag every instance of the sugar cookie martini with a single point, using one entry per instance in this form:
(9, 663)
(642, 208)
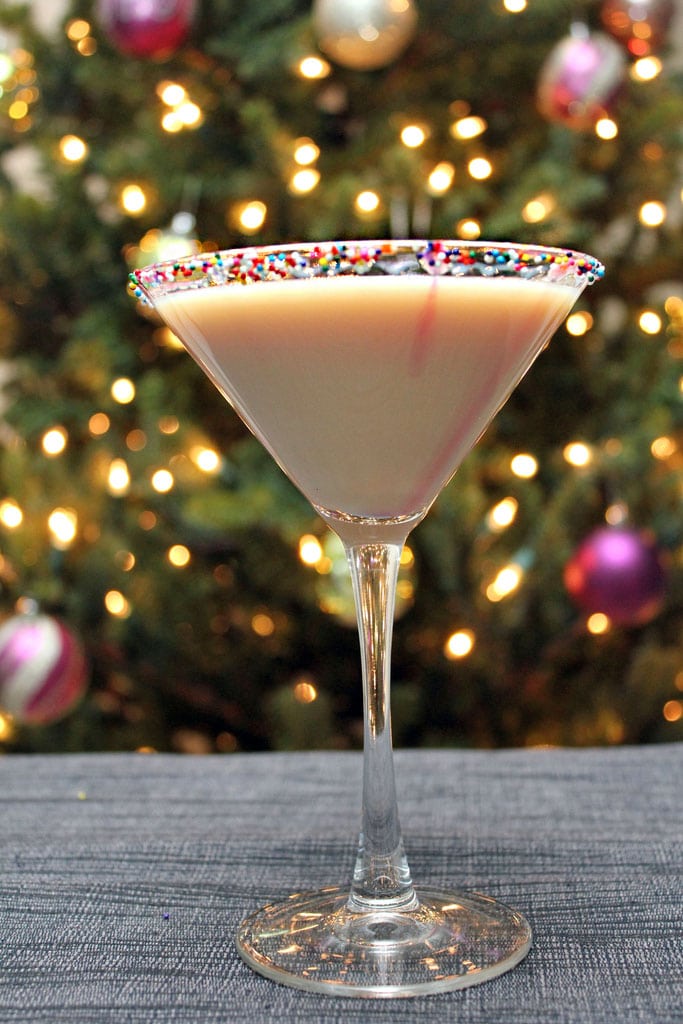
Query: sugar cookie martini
(369, 370)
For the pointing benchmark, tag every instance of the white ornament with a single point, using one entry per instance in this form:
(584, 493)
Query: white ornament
(364, 34)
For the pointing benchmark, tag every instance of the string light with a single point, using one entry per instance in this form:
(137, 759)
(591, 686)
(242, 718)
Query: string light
(305, 180)
(578, 324)
(598, 623)
(123, 391)
(653, 151)
(63, 525)
(125, 560)
(54, 441)
(169, 424)
(413, 136)
(313, 67)
(645, 69)
(98, 424)
(87, 47)
(189, 114)
(179, 556)
(72, 149)
(171, 93)
(503, 514)
(18, 110)
(305, 692)
(262, 624)
(515, 6)
(324, 566)
(459, 109)
(77, 28)
(652, 214)
(147, 520)
(459, 644)
(118, 479)
(133, 200)
(469, 127)
(663, 448)
(171, 122)
(480, 168)
(136, 440)
(6, 67)
(616, 514)
(116, 604)
(310, 549)
(673, 710)
(650, 322)
(162, 481)
(407, 558)
(206, 459)
(367, 201)
(251, 216)
(524, 466)
(506, 582)
(305, 152)
(606, 128)
(538, 209)
(468, 229)
(441, 177)
(577, 454)
(164, 336)
(6, 726)
(11, 515)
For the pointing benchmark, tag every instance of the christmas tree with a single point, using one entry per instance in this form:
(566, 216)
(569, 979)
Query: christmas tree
(541, 601)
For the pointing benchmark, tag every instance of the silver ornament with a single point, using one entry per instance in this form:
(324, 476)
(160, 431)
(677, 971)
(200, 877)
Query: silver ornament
(364, 34)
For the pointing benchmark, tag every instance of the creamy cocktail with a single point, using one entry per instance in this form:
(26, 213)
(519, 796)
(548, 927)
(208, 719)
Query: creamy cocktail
(368, 391)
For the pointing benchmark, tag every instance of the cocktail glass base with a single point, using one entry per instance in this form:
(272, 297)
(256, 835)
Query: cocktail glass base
(317, 942)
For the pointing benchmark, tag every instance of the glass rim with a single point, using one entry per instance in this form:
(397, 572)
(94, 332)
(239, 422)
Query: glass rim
(304, 260)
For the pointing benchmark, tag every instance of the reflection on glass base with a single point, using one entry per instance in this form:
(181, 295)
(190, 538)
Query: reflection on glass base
(313, 941)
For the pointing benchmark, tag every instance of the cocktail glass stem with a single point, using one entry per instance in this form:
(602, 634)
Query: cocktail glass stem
(381, 879)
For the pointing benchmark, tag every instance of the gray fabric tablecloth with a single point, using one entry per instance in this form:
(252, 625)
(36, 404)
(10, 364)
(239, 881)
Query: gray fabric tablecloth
(123, 879)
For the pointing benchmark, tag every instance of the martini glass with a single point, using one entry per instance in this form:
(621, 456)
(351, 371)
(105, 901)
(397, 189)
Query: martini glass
(369, 370)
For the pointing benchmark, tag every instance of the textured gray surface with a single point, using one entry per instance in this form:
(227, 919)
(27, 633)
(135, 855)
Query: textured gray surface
(123, 879)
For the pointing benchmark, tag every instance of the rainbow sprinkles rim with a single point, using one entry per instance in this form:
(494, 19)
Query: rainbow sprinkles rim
(328, 259)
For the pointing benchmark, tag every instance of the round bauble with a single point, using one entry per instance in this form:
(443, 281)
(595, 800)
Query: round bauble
(581, 79)
(617, 571)
(146, 28)
(641, 25)
(43, 671)
(364, 34)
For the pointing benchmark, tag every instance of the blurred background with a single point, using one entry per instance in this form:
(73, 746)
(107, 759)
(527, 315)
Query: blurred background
(162, 585)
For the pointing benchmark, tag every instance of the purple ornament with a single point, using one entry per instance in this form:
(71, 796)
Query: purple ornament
(581, 79)
(43, 671)
(146, 28)
(617, 571)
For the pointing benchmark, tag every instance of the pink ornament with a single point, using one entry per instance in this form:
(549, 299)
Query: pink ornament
(640, 24)
(42, 669)
(617, 571)
(146, 28)
(581, 79)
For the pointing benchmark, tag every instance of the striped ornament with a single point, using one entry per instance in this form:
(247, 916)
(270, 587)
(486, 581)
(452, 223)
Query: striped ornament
(43, 671)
